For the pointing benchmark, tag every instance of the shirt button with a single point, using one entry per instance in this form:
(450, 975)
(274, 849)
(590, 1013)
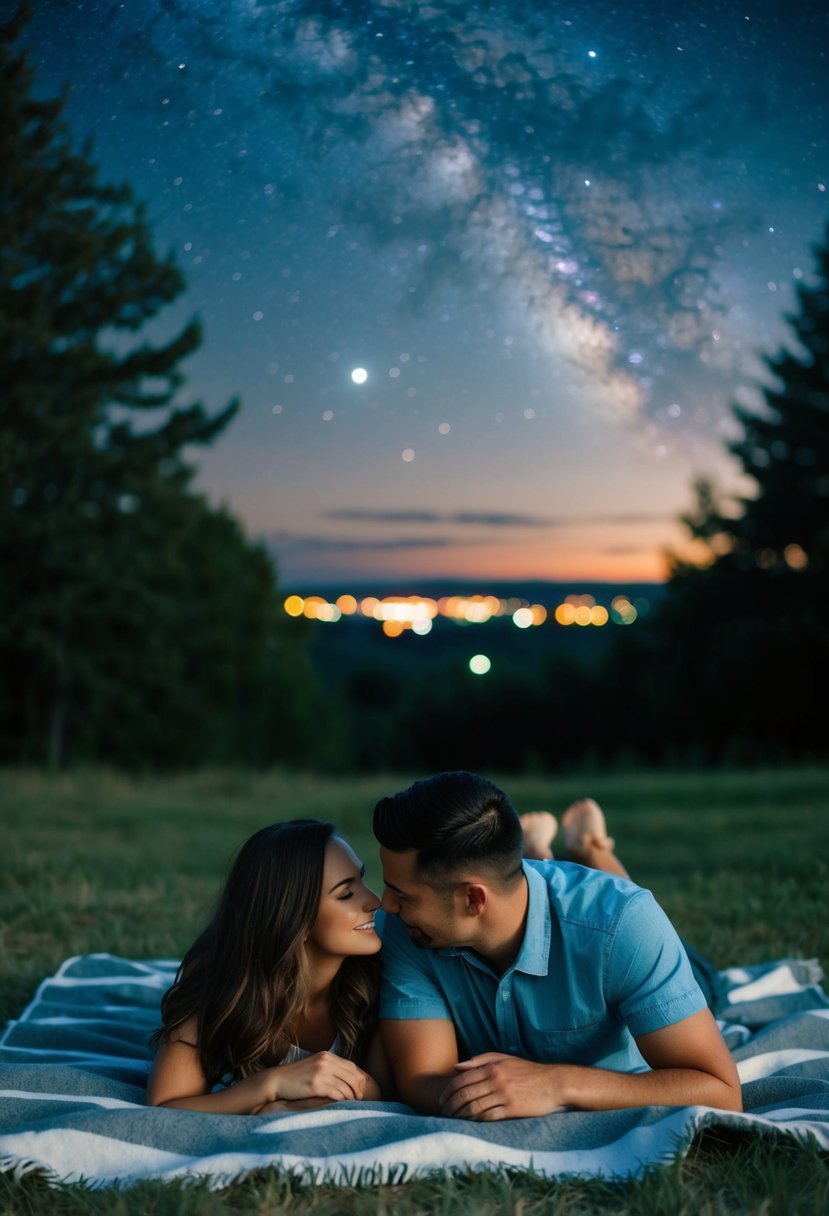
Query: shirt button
(505, 995)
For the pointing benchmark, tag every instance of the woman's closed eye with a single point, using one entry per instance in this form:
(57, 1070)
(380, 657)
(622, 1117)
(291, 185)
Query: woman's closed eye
(346, 895)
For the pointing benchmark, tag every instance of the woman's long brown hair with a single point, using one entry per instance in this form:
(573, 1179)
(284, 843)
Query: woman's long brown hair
(243, 979)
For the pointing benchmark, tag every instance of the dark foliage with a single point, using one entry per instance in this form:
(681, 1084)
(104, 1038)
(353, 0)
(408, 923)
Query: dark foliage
(137, 624)
(737, 660)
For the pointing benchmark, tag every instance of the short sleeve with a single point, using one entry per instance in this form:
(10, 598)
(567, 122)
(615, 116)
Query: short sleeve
(409, 989)
(649, 979)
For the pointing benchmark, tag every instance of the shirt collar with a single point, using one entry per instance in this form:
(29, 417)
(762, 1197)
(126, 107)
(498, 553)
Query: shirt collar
(534, 955)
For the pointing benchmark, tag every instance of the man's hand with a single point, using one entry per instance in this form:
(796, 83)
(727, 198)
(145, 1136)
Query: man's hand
(497, 1086)
(690, 1065)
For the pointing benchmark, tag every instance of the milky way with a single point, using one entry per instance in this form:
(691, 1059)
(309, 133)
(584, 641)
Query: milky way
(553, 238)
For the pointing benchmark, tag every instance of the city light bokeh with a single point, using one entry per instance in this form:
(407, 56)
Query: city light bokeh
(398, 614)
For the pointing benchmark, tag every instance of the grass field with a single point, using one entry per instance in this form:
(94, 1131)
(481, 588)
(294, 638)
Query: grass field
(98, 861)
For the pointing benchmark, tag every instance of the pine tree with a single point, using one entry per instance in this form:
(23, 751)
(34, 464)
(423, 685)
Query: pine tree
(739, 645)
(785, 450)
(134, 619)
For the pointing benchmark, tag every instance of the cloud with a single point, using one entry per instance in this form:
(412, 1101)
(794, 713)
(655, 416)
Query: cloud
(486, 519)
(491, 519)
(295, 542)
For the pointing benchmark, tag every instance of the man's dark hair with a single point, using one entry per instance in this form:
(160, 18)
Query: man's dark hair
(454, 821)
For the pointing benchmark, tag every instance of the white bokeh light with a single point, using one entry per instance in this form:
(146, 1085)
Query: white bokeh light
(359, 375)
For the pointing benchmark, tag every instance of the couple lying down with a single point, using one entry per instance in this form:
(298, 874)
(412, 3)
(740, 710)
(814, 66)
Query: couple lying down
(489, 982)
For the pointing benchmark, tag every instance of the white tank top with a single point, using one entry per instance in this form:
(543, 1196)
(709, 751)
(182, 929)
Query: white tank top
(291, 1056)
(295, 1053)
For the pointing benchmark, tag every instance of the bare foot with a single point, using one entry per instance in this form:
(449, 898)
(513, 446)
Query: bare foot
(539, 828)
(585, 827)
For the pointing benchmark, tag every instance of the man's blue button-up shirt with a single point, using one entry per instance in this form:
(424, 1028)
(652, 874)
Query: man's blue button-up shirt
(600, 964)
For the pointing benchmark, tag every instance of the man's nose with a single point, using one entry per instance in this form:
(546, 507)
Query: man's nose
(389, 902)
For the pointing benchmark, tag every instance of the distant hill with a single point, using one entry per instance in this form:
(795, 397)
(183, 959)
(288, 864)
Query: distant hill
(535, 591)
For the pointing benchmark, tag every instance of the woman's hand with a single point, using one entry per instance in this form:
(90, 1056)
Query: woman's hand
(177, 1080)
(321, 1075)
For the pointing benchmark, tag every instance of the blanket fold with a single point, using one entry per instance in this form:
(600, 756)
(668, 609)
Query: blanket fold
(74, 1065)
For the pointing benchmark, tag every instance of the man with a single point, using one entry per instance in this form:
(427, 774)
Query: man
(517, 988)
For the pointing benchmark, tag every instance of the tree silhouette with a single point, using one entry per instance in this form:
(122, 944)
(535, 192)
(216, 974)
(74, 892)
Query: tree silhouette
(785, 450)
(134, 619)
(740, 641)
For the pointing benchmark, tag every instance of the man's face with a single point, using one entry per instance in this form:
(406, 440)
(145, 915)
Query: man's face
(431, 918)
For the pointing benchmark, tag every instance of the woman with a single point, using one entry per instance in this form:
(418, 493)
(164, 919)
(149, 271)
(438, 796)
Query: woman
(274, 1005)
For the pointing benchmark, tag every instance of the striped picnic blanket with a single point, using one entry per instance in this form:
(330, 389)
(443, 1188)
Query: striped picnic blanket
(74, 1065)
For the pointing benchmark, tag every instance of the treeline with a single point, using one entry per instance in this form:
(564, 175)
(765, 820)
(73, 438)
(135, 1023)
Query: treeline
(744, 689)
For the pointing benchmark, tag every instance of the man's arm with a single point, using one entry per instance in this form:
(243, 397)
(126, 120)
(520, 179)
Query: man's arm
(689, 1061)
(423, 1056)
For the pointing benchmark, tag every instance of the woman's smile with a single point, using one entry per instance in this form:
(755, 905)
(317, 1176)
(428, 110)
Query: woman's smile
(346, 906)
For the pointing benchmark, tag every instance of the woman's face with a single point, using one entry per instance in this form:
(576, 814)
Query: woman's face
(345, 920)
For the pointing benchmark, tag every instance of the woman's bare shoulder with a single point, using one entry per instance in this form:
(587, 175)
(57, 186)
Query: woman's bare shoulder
(186, 1033)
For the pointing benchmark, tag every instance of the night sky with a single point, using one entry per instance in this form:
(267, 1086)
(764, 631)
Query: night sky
(555, 236)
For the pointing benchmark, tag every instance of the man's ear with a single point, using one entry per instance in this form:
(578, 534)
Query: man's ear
(476, 898)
